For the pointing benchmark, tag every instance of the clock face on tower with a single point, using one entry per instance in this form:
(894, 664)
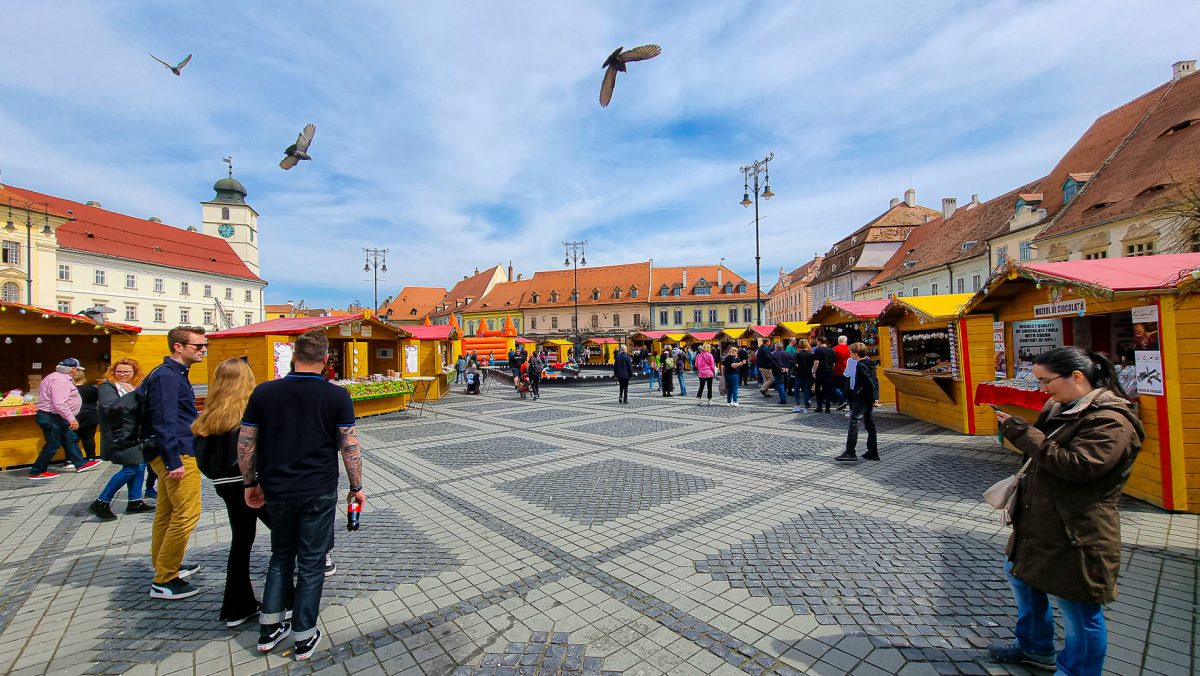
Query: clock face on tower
(225, 230)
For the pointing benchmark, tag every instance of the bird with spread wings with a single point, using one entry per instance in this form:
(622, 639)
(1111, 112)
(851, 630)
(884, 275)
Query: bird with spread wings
(299, 150)
(616, 62)
(174, 69)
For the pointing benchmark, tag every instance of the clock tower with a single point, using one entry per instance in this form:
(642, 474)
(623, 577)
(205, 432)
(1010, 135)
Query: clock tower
(228, 216)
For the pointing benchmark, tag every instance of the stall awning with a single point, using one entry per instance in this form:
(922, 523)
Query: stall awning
(294, 326)
(762, 330)
(432, 332)
(732, 333)
(928, 308)
(524, 341)
(648, 335)
(676, 337)
(600, 341)
(558, 342)
(54, 315)
(703, 336)
(854, 309)
(798, 328)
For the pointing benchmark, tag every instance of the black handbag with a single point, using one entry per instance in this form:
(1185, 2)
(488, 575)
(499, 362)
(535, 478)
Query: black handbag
(130, 455)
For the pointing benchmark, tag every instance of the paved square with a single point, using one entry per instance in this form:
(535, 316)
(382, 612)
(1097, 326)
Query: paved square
(575, 535)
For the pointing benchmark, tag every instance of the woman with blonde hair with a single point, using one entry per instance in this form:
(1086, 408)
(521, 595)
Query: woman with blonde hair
(121, 379)
(216, 431)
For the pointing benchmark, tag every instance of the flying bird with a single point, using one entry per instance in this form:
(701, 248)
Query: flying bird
(616, 61)
(299, 150)
(174, 69)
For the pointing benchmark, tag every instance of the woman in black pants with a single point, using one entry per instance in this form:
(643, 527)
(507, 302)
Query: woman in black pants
(89, 415)
(622, 371)
(216, 433)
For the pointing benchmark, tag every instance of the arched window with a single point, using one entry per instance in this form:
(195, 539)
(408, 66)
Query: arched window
(733, 315)
(633, 292)
(746, 315)
(595, 294)
(224, 213)
(12, 292)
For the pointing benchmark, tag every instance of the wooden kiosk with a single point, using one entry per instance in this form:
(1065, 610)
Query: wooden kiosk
(601, 350)
(1142, 311)
(364, 353)
(426, 352)
(855, 319)
(32, 342)
(933, 358)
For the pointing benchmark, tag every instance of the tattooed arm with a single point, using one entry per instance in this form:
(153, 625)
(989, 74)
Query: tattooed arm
(352, 459)
(247, 448)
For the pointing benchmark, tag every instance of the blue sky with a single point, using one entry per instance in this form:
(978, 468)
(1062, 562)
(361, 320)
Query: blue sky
(467, 134)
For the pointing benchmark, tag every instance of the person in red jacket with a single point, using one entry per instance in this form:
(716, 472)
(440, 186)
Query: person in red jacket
(841, 379)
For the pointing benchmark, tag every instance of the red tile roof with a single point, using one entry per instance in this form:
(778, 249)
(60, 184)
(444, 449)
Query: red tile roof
(413, 302)
(109, 233)
(671, 276)
(473, 287)
(434, 332)
(893, 225)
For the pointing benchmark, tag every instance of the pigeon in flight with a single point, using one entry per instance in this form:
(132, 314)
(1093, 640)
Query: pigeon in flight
(299, 150)
(616, 61)
(174, 69)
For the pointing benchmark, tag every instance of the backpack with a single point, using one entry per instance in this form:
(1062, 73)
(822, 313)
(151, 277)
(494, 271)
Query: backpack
(217, 460)
(669, 363)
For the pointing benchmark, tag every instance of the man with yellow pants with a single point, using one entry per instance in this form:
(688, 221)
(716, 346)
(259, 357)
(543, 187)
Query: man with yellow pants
(171, 410)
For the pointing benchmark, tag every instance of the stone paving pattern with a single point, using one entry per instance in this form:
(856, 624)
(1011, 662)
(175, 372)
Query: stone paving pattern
(574, 535)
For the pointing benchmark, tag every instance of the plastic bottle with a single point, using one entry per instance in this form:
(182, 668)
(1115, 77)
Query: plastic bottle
(353, 510)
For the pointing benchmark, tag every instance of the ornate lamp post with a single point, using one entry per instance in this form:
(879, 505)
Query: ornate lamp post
(376, 260)
(10, 227)
(575, 256)
(758, 167)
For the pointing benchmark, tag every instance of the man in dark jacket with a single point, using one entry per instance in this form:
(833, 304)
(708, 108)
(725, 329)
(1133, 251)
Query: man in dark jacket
(782, 362)
(623, 371)
(824, 358)
(171, 410)
(864, 397)
(766, 369)
(533, 369)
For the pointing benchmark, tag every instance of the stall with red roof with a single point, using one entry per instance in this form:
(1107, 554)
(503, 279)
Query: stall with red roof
(600, 350)
(426, 359)
(858, 321)
(1144, 314)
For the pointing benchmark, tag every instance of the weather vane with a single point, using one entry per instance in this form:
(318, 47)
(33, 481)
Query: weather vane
(229, 161)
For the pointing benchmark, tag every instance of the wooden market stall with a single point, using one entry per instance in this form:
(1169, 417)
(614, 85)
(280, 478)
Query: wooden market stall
(933, 357)
(1144, 313)
(600, 350)
(797, 330)
(33, 341)
(426, 353)
(855, 319)
(364, 353)
(734, 335)
(557, 349)
(651, 340)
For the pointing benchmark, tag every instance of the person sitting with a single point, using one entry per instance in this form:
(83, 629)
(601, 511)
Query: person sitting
(472, 378)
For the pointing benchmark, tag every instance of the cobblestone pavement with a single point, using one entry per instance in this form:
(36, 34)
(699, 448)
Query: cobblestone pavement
(574, 535)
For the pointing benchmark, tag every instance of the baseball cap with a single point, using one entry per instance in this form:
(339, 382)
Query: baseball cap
(71, 362)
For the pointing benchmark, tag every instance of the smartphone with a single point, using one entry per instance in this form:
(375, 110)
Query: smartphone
(995, 408)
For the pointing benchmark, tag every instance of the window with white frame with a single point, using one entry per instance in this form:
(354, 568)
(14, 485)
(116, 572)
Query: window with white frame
(160, 315)
(637, 319)
(1095, 255)
(554, 322)
(208, 317)
(159, 285)
(12, 253)
(131, 313)
(533, 323)
(64, 272)
(697, 315)
(1026, 249)
(101, 277)
(185, 316)
(975, 283)
(663, 316)
(933, 289)
(733, 315)
(595, 321)
(229, 318)
(228, 293)
(595, 294)
(616, 319)
(746, 314)
(712, 315)
(247, 318)
(64, 306)
(633, 292)
(11, 292)
(677, 315)
(130, 281)
(208, 291)
(249, 296)
(914, 291)
(1145, 248)
(962, 284)
(183, 288)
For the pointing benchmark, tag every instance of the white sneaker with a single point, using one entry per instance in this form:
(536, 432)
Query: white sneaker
(797, 409)
(736, 405)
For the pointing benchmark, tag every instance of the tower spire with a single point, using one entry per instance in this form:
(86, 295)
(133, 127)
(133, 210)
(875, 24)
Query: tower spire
(229, 160)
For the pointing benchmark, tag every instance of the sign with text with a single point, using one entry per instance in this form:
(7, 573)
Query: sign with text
(1147, 359)
(999, 356)
(283, 359)
(1062, 308)
(1148, 366)
(1031, 338)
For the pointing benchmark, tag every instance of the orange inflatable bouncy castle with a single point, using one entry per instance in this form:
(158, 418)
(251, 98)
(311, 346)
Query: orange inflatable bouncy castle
(496, 344)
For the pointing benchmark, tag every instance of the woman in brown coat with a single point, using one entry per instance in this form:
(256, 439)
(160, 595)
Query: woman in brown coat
(1066, 540)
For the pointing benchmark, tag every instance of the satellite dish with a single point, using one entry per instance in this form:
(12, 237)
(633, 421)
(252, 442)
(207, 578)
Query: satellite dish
(96, 313)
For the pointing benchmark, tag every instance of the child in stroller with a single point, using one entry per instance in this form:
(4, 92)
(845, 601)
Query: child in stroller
(472, 378)
(522, 382)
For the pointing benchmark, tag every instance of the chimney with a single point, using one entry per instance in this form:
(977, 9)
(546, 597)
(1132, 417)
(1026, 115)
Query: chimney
(520, 276)
(154, 219)
(685, 286)
(975, 198)
(910, 197)
(892, 204)
(1182, 69)
(719, 270)
(94, 203)
(949, 204)
(510, 271)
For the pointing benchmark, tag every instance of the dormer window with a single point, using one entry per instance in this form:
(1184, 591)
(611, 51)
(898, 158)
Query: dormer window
(633, 292)
(835, 248)
(854, 240)
(1158, 187)
(676, 289)
(574, 295)
(1178, 127)
(617, 293)
(1029, 199)
(968, 244)
(741, 288)
(1098, 206)
(728, 288)
(664, 291)
(908, 265)
(553, 296)
(595, 294)
(852, 259)
(535, 297)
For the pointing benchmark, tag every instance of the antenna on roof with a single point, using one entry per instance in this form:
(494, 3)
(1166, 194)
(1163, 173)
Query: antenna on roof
(229, 160)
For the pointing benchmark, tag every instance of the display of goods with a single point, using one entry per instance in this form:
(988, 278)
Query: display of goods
(384, 388)
(14, 398)
(1027, 384)
(940, 367)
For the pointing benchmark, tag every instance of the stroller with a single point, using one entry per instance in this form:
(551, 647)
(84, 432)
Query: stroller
(472, 383)
(522, 385)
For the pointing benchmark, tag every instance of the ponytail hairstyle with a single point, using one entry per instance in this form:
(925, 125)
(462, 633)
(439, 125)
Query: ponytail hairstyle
(1099, 371)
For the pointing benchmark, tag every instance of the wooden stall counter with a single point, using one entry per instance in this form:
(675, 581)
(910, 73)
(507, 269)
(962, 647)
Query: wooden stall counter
(20, 440)
(940, 387)
(379, 397)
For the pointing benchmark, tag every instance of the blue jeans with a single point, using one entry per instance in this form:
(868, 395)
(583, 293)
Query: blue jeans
(804, 390)
(130, 476)
(58, 435)
(1086, 637)
(654, 378)
(682, 389)
(301, 534)
(731, 388)
(781, 386)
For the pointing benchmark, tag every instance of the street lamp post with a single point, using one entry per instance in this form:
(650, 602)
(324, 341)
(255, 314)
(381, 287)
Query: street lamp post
(758, 167)
(376, 259)
(575, 256)
(10, 227)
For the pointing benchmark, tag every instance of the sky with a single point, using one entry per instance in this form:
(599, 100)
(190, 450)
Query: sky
(467, 134)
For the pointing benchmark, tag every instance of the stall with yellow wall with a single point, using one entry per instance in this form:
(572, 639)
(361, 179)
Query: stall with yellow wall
(425, 359)
(1093, 304)
(933, 357)
(855, 319)
(557, 349)
(601, 350)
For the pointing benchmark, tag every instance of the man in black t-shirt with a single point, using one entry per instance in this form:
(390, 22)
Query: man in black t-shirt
(292, 433)
(824, 358)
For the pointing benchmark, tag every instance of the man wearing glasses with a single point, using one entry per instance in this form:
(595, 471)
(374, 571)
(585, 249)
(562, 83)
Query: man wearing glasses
(171, 410)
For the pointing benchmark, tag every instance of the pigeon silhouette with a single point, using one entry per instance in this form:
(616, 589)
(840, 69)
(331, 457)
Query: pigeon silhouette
(616, 61)
(174, 69)
(299, 150)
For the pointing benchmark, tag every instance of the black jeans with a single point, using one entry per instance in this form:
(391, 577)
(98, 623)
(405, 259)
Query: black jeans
(824, 387)
(301, 534)
(534, 381)
(87, 441)
(862, 409)
(239, 598)
(623, 389)
(57, 431)
(668, 381)
(703, 383)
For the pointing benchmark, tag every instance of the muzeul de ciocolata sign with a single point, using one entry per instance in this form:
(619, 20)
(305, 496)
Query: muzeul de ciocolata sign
(1060, 309)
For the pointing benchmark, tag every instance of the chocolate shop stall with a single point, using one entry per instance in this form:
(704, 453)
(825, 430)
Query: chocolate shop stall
(855, 319)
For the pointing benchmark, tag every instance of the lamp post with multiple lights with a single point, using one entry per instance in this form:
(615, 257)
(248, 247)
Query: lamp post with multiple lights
(753, 170)
(575, 256)
(46, 230)
(376, 259)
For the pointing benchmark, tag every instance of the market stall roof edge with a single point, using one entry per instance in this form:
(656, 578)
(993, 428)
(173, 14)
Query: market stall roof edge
(927, 308)
(858, 309)
(8, 306)
(432, 332)
(294, 326)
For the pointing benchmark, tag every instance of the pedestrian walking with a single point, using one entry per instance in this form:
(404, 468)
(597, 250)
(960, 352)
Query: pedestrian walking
(841, 379)
(122, 378)
(89, 415)
(864, 397)
(1066, 538)
(706, 368)
(765, 363)
(171, 410)
(216, 432)
(802, 374)
(653, 370)
(57, 407)
(730, 367)
(622, 371)
(289, 464)
(668, 372)
(533, 368)
(743, 356)
(680, 366)
(460, 367)
(823, 361)
(781, 363)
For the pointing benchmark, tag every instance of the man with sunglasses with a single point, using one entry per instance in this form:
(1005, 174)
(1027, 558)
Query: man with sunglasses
(170, 412)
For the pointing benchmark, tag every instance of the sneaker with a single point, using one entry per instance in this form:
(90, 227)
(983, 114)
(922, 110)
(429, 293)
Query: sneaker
(269, 635)
(797, 409)
(186, 570)
(68, 467)
(843, 406)
(736, 405)
(330, 566)
(847, 457)
(102, 511)
(869, 455)
(173, 590)
(304, 649)
(43, 475)
(1011, 653)
(242, 620)
(90, 464)
(137, 507)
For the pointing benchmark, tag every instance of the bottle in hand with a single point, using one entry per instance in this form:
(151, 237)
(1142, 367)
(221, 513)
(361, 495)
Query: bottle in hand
(353, 510)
